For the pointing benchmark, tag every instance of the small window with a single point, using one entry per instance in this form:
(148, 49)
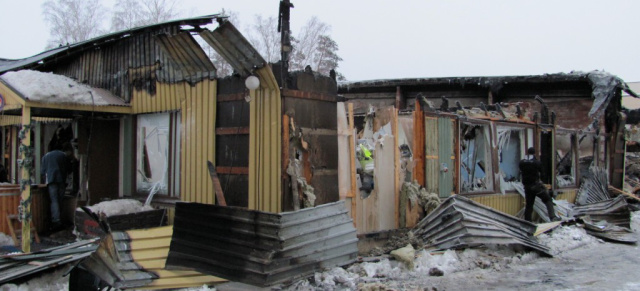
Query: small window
(475, 158)
(565, 159)
(157, 161)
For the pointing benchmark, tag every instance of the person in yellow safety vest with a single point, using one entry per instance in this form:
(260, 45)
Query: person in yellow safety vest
(366, 161)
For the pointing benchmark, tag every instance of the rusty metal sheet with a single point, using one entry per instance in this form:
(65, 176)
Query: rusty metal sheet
(261, 248)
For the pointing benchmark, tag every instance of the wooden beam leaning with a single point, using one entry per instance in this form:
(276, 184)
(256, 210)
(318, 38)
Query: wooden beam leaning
(216, 185)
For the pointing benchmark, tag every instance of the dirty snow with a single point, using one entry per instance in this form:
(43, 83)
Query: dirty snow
(567, 238)
(53, 280)
(491, 258)
(52, 88)
(5, 240)
(119, 207)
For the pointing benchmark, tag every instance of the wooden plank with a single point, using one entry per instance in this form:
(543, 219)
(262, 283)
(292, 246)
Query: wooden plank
(216, 184)
(418, 144)
(232, 170)
(614, 189)
(352, 161)
(396, 166)
(308, 95)
(151, 232)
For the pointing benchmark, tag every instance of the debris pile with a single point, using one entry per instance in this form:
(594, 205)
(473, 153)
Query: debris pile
(261, 248)
(461, 223)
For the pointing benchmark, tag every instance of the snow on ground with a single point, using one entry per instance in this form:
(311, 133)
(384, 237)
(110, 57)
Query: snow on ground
(566, 238)
(635, 221)
(54, 280)
(119, 207)
(491, 258)
(5, 240)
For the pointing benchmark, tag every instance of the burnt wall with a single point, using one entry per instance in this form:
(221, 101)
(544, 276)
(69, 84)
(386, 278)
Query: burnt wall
(310, 103)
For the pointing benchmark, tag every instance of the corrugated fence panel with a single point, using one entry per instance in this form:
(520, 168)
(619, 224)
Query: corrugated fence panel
(265, 139)
(198, 144)
(431, 172)
(508, 203)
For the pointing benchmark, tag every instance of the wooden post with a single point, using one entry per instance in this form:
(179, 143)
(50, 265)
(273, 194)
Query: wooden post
(352, 160)
(396, 165)
(418, 144)
(25, 197)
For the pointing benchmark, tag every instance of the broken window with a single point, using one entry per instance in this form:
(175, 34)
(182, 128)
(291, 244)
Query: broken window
(475, 158)
(565, 159)
(158, 140)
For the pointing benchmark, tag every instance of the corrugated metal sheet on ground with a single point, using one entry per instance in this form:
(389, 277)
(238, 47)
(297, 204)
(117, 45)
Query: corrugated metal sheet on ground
(615, 211)
(261, 248)
(13, 267)
(460, 222)
(136, 259)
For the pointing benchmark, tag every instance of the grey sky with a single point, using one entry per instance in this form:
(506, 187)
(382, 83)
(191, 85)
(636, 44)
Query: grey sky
(381, 39)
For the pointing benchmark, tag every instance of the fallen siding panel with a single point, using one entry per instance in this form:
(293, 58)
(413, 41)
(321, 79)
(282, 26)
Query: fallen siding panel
(460, 222)
(14, 267)
(136, 259)
(261, 248)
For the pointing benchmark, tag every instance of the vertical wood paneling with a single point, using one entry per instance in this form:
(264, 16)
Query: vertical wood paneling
(431, 171)
(509, 203)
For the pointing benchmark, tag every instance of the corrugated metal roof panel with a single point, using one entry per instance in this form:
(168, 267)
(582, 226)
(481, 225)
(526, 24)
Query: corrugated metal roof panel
(234, 48)
(261, 248)
(460, 222)
(10, 65)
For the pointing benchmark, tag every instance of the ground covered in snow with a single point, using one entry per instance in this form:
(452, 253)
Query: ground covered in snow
(580, 262)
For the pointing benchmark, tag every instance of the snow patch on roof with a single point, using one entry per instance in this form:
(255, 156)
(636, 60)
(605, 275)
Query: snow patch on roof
(53, 88)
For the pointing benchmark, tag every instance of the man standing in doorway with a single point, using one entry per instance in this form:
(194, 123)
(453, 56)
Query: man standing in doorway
(54, 168)
(531, 169)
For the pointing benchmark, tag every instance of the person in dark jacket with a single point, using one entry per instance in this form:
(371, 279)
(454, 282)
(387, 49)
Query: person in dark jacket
(54, 169)
(531, 169)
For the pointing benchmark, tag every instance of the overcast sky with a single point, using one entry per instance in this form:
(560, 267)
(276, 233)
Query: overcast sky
(383, 39)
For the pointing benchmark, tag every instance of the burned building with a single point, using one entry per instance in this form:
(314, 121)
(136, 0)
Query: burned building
(466, 135)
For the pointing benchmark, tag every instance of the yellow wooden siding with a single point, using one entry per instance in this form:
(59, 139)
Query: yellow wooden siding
(567, 194)
(509, 203)
(149, 249)
(197, 141)
(512, 203)
(265, 143)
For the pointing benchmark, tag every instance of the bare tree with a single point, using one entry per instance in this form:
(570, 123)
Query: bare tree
(127, 14)
(72, 21)
(306, 44)
(156, 11)
(325, 57)
(264, 36)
